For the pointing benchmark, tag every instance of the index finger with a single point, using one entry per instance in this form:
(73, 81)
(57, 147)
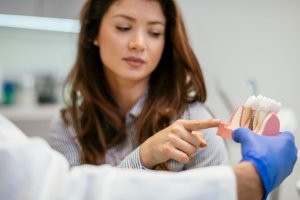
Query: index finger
(194, 125)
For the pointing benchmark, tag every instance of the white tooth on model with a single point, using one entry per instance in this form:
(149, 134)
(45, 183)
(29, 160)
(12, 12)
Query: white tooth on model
(249, 102)
(276, 107)
(256, 109)
(247, 112)
(255, 103)
(266, 106)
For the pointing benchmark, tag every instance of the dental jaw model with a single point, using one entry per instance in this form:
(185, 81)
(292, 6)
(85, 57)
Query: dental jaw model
(258, 114)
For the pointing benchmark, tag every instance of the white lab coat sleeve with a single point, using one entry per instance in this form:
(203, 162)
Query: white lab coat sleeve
(30, 169)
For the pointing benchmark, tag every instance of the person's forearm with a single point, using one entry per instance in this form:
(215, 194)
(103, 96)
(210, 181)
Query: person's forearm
(249, 184)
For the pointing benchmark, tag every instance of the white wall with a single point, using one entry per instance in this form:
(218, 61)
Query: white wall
(238, 41)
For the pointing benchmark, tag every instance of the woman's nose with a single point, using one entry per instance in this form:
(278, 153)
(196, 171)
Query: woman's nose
(137, 43)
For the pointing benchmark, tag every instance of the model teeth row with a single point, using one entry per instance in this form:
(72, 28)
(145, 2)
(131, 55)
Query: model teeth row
(262, 103)
(256, 110)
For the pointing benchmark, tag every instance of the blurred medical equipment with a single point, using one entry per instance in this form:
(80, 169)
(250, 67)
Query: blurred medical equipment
(45, 88)
(9, 92)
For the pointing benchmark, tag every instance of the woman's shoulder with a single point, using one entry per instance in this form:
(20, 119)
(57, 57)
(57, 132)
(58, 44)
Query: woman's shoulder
(197, 110)
(62, 123)
(59, 119)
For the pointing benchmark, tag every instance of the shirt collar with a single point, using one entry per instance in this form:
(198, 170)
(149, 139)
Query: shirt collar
(138, 106)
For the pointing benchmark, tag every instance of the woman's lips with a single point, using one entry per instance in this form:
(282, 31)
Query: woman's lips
(133, 61)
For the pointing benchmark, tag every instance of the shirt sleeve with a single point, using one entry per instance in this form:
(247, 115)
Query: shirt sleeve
(63, 139)
(215, 153)
(30, 169)
(133, 161)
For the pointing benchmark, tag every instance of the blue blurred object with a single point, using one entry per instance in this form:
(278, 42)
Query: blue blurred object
(273, 156)
(9, 90)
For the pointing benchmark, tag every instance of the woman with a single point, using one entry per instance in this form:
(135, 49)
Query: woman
(136, 92)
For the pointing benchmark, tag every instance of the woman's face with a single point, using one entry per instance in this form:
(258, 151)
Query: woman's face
(131, 40)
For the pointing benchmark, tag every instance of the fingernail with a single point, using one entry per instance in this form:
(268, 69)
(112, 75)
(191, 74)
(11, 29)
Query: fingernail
(217, 120)
(203, 143)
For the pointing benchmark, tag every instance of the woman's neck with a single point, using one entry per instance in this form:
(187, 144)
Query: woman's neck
(127, 94)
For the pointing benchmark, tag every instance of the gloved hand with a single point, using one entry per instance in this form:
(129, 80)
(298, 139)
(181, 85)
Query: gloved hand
(273, 156)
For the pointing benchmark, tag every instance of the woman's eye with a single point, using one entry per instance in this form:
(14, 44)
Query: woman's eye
(123, 28)
(155, 34)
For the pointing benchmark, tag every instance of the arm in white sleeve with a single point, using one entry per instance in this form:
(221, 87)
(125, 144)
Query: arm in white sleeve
(30, 169)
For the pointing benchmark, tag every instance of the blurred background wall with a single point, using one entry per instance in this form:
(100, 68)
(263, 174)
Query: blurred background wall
(244, 48)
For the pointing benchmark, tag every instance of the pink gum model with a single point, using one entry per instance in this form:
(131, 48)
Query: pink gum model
(242, 117)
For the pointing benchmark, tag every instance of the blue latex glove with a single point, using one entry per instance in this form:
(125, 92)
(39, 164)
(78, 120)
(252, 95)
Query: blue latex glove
(273, 156)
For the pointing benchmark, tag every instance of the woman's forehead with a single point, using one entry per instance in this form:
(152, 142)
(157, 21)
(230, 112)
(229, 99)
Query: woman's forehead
(149, 9)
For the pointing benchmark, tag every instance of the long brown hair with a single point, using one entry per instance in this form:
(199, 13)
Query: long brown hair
(94, 113)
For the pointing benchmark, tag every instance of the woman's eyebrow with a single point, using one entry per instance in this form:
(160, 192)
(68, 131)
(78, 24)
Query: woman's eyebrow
(133, 19)
(124, 16)
(156, 22)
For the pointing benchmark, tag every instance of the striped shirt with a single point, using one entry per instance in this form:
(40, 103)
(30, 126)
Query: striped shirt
(126, 154)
